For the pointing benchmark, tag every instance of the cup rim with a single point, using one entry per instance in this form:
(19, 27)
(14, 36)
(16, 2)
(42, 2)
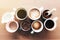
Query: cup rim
(22, 27)
(40, 29)
(43, 16)
(9, 29)
(18, 10)
(33, 9)
(51, 29)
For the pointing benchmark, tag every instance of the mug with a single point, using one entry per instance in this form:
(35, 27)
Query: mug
(37, 26)
(50, 24)
(25, 25)
(12, 26)
(21, 13)
(48, 13)
(35, 13)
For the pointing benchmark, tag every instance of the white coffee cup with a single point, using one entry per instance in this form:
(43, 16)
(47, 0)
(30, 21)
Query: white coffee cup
(52, 21)
(37, 30)
(49, 12)
(35, 13)
(11, 24)
(20, 10)
(25, 25)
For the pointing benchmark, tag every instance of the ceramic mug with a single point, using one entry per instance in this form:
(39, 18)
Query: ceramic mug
(50, 24)
(21, 13)
(35, 13)
(25, 25)
(48, 13)
(12, 26)
(37, 26)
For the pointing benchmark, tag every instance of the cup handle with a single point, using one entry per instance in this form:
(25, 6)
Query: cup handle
(55, 19)
(49, 12)
(32, 32)
(41, 9)
(14, 9)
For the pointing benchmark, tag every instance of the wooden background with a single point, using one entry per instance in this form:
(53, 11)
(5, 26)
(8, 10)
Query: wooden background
(7, 5)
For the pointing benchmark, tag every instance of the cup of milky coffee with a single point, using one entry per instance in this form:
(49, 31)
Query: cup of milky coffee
(21, 13)
(48, 13)
(25, 25)
(37, 26)
(12, 26)
(50, 24)
(35, 13)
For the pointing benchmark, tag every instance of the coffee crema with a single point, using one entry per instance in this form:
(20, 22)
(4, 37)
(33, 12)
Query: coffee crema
(36, 25)
(49, 24)
(34, 13)
(13, 25)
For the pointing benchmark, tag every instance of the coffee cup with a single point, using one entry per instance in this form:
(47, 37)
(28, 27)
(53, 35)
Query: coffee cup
(25, 25)
(35, 13)
(48, 13)
(12, 26)
(50, 24)
(21, 13)
(37, 26)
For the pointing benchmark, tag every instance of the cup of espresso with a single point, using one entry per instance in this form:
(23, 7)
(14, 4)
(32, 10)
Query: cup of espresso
(21, 13)
(12, 26)
(50, 24)
(37, 26)
(34, 13)
(25, 25)
(48, 13)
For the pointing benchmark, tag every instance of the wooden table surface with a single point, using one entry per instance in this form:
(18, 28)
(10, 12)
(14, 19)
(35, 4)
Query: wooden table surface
(7, 5)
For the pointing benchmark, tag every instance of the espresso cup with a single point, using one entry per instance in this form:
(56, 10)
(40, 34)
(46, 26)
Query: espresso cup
(35, 13)
(21, 14)
(48, 13)
(37, 26)
(12, 26)
(25, 25)
(50, 24)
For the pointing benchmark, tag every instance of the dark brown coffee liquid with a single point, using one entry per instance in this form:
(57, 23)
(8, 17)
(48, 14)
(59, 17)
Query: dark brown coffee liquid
(21, 13)
(49, 24)
(26, 25)
(45, 14)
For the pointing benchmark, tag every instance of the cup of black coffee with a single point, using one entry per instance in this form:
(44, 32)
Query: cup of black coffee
(21, 13)
(50, 24)
(25, 25)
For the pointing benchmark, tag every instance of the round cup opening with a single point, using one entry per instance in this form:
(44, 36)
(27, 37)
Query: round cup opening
(50, 25)
(25, 25)
(12, 26)
(21, 14)
(45, 14)
(36, 25)
(34, 14)
(37, 28)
